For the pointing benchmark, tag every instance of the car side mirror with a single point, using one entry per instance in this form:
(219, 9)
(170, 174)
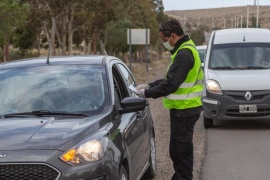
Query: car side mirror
(132, 104)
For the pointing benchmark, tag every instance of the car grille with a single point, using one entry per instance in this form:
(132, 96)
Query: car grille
(240, 95)
(28, 172)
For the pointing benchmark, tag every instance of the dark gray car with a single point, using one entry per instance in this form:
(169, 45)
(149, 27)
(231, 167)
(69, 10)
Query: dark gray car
(73, 118)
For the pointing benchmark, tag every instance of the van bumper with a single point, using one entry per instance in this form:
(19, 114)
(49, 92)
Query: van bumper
(226, 106)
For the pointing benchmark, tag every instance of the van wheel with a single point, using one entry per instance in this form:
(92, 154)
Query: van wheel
(208, 123)
(151, 171)
(123, 173)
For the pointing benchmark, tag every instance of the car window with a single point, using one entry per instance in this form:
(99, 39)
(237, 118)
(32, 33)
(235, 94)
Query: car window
(129, 80)
(69, 88)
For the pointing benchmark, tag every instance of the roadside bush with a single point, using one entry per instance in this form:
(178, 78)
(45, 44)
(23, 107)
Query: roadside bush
(15, 54)
(198, 36)
(31, 54)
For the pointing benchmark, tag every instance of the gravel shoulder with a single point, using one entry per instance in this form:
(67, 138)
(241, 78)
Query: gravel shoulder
(160, 115)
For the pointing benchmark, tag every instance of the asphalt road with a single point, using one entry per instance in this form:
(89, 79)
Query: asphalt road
(237, 150)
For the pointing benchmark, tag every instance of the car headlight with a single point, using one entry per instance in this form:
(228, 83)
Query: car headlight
(212, 86)
(86, 152)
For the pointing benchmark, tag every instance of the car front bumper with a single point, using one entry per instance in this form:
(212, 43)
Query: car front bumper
(226, 106)
(39, 164)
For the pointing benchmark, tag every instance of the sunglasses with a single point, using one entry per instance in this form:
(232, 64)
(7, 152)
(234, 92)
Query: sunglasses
(161, 28)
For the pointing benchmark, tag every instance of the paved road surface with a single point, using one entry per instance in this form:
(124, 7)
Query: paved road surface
(238, 150)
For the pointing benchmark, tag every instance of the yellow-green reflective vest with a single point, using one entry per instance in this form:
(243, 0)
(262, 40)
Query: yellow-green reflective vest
(188, 95)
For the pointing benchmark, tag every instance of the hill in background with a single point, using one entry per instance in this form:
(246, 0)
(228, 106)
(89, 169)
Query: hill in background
(220, 18)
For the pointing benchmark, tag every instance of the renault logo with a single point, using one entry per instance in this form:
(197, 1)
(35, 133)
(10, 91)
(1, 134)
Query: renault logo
(2, 155)
(248, 96)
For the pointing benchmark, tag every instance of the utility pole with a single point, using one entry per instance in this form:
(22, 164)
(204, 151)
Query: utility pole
(146, 48)
(130, 49)
(257, 22)
(224, 23)
(232, 22)
(247, 15)
(185, 20)
(241, 21)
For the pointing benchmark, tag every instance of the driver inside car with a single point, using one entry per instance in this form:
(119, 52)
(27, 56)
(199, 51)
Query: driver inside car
(34, 101)
(83, 93)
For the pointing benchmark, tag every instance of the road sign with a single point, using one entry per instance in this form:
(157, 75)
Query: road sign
(138, 36)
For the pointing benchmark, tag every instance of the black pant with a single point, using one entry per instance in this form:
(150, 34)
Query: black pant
(181, 145)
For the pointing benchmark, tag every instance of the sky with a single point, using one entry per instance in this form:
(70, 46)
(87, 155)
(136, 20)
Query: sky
(205, 4)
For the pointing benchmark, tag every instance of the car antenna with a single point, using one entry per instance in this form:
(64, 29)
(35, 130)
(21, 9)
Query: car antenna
(244, 38)
(48, 58)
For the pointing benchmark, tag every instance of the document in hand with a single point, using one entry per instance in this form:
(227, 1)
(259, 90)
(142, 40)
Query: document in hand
(132, 88)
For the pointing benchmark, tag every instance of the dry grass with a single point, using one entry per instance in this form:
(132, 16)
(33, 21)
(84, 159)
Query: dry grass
(140, 73)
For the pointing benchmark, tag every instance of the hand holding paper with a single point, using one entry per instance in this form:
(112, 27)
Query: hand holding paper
(132, 88)
(142, 86)
(139, 92)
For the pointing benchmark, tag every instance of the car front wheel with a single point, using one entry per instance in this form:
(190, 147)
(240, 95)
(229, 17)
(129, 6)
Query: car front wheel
(151, 171)
(123, 173)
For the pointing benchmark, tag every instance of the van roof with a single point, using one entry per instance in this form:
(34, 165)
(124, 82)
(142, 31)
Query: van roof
(239, 35)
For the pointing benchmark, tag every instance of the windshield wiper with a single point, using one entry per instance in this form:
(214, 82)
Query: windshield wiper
(242, 67)
(227, 67)
(46, 112)
(255, 67)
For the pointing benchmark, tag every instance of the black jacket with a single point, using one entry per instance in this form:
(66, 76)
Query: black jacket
(176, 75)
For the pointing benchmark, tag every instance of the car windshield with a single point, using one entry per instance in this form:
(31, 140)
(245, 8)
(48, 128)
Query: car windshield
(240, 56)
(69, 88)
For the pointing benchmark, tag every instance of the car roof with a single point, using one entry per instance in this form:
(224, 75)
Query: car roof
(240, 35)
(57, 60)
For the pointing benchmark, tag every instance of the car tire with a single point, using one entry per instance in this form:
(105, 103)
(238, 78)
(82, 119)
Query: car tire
(208, 123)
(123, 173)
(151, 171)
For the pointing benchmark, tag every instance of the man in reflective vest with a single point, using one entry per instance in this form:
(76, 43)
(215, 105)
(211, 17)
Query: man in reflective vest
(181, 90)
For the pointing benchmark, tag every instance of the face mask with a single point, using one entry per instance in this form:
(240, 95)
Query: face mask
(168, 46)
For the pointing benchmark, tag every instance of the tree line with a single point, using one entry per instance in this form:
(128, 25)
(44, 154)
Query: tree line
(93, 26)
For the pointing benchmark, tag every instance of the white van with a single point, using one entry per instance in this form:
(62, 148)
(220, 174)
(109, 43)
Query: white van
(237, 75)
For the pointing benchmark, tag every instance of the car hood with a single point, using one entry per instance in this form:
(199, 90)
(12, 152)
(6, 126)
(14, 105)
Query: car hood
(240, 80)
(45, 133)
